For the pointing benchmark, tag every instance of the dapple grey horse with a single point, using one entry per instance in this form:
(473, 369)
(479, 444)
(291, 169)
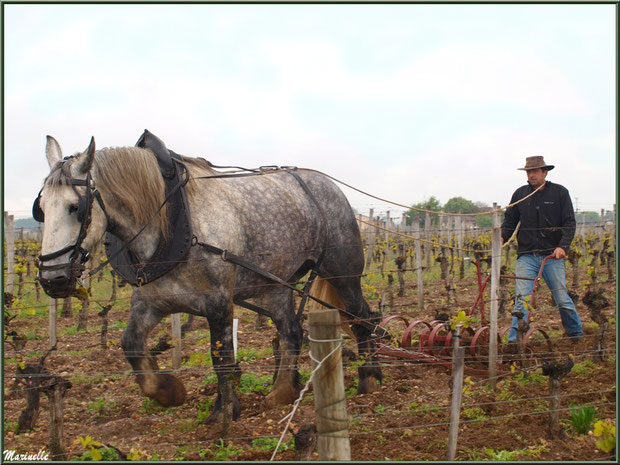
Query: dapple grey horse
(273, 220)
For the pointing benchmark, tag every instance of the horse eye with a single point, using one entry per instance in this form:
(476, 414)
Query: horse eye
(73, 208)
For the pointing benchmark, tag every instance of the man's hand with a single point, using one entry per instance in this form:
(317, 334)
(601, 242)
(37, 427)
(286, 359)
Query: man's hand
(559, 252)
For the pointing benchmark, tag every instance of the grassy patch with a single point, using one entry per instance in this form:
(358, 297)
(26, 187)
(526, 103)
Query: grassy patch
(251, 383)
(474, 413)
(198, 359)
(102, 407)
(204, 409)
(269, 444)
(582, 418)
(150, 406)
(586, 368)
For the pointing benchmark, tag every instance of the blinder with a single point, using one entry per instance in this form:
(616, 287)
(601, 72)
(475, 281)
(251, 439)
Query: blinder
(37, 213)
(84, 202)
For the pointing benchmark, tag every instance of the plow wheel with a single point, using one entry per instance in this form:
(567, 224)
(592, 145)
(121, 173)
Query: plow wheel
(439, 339)
(479, 347)
(390, 325)
(413, 334)
(538, 348)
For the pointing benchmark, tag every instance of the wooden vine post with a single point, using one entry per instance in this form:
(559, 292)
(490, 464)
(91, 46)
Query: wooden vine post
(458, 368)
(370, 239)
(496, 258)
(329, 396)
(428, 249)
(176, 340)
(418, 265)
(53, 314)
(9, 234)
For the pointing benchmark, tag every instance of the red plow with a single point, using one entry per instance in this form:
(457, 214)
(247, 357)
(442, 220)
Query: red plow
(432, 342)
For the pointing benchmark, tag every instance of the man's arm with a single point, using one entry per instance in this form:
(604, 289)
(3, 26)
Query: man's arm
(568, 223)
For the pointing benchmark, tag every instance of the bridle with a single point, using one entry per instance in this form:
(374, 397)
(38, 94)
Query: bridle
(79, 256)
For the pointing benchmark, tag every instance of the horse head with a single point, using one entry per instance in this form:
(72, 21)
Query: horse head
(71, 226)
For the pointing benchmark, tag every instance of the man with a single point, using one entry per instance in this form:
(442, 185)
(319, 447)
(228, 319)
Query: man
(547, 228)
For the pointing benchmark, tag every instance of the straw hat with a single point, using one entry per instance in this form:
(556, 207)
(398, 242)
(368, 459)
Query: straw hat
(532, 163)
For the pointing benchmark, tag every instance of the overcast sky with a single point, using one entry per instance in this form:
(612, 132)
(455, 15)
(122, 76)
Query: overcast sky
(402, 101)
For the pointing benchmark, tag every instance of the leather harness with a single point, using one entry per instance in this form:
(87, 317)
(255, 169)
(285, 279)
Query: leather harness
(169, 253)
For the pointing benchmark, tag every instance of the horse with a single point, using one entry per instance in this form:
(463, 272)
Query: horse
(284, 221)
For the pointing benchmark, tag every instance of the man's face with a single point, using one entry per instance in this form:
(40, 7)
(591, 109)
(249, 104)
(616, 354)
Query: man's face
(536, 177)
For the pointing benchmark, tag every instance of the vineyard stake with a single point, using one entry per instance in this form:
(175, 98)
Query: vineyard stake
(418, 265)
(9, 234)
(427, 235)
(458, 367)
(176, 340)
(52, 322)
(329, 397)
(496, 259)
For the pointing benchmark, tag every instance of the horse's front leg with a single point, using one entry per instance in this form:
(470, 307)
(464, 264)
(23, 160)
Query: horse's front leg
(165, 388)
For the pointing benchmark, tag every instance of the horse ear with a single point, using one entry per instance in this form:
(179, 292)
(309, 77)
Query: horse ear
(52, 151)
(84, 161)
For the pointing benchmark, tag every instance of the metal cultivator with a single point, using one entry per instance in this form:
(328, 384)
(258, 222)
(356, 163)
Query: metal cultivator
(432, 342)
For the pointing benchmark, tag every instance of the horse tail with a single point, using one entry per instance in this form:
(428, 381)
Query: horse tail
(322, 290)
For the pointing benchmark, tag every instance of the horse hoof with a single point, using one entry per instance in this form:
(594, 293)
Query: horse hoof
(368, 385)
(213, 418)
(281, 397)
(217, 416)
(170, 392)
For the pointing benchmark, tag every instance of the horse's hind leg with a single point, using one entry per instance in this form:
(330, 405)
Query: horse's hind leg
(279, 301)
(166, 389)
(356, 307)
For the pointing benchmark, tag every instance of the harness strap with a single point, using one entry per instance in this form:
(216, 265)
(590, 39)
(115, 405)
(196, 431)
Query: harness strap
(181, 183)
(254, 308)
(237, 260)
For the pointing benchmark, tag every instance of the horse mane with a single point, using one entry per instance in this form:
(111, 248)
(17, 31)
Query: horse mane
(197, 167)
(131, 176)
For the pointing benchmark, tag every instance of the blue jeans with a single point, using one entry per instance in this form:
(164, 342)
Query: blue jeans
(554, 274)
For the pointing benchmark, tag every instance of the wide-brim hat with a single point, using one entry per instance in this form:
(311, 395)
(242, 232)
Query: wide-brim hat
(532, 163)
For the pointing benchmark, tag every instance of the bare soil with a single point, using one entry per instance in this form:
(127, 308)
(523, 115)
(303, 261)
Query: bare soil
(408, 419)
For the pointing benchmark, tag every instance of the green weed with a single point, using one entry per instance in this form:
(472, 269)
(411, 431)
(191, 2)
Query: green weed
(102, 407)
(269, 444)
(198, 360)
(380, 408)
(474, 414)
(150, 406)
(117, 325)
(250, 383)
(532, 377)
(225, 451)
(204, 409)
(586, 368)
(582, 417)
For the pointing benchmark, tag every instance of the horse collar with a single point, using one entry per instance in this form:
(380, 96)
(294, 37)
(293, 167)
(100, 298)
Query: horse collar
(169, 252)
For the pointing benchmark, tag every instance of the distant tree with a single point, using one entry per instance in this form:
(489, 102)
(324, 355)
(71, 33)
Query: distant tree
(432, 204)
(460, 205)
(587, 217)
(484, 221)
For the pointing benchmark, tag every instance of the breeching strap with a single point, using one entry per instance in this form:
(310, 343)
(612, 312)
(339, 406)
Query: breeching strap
(237, 260)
